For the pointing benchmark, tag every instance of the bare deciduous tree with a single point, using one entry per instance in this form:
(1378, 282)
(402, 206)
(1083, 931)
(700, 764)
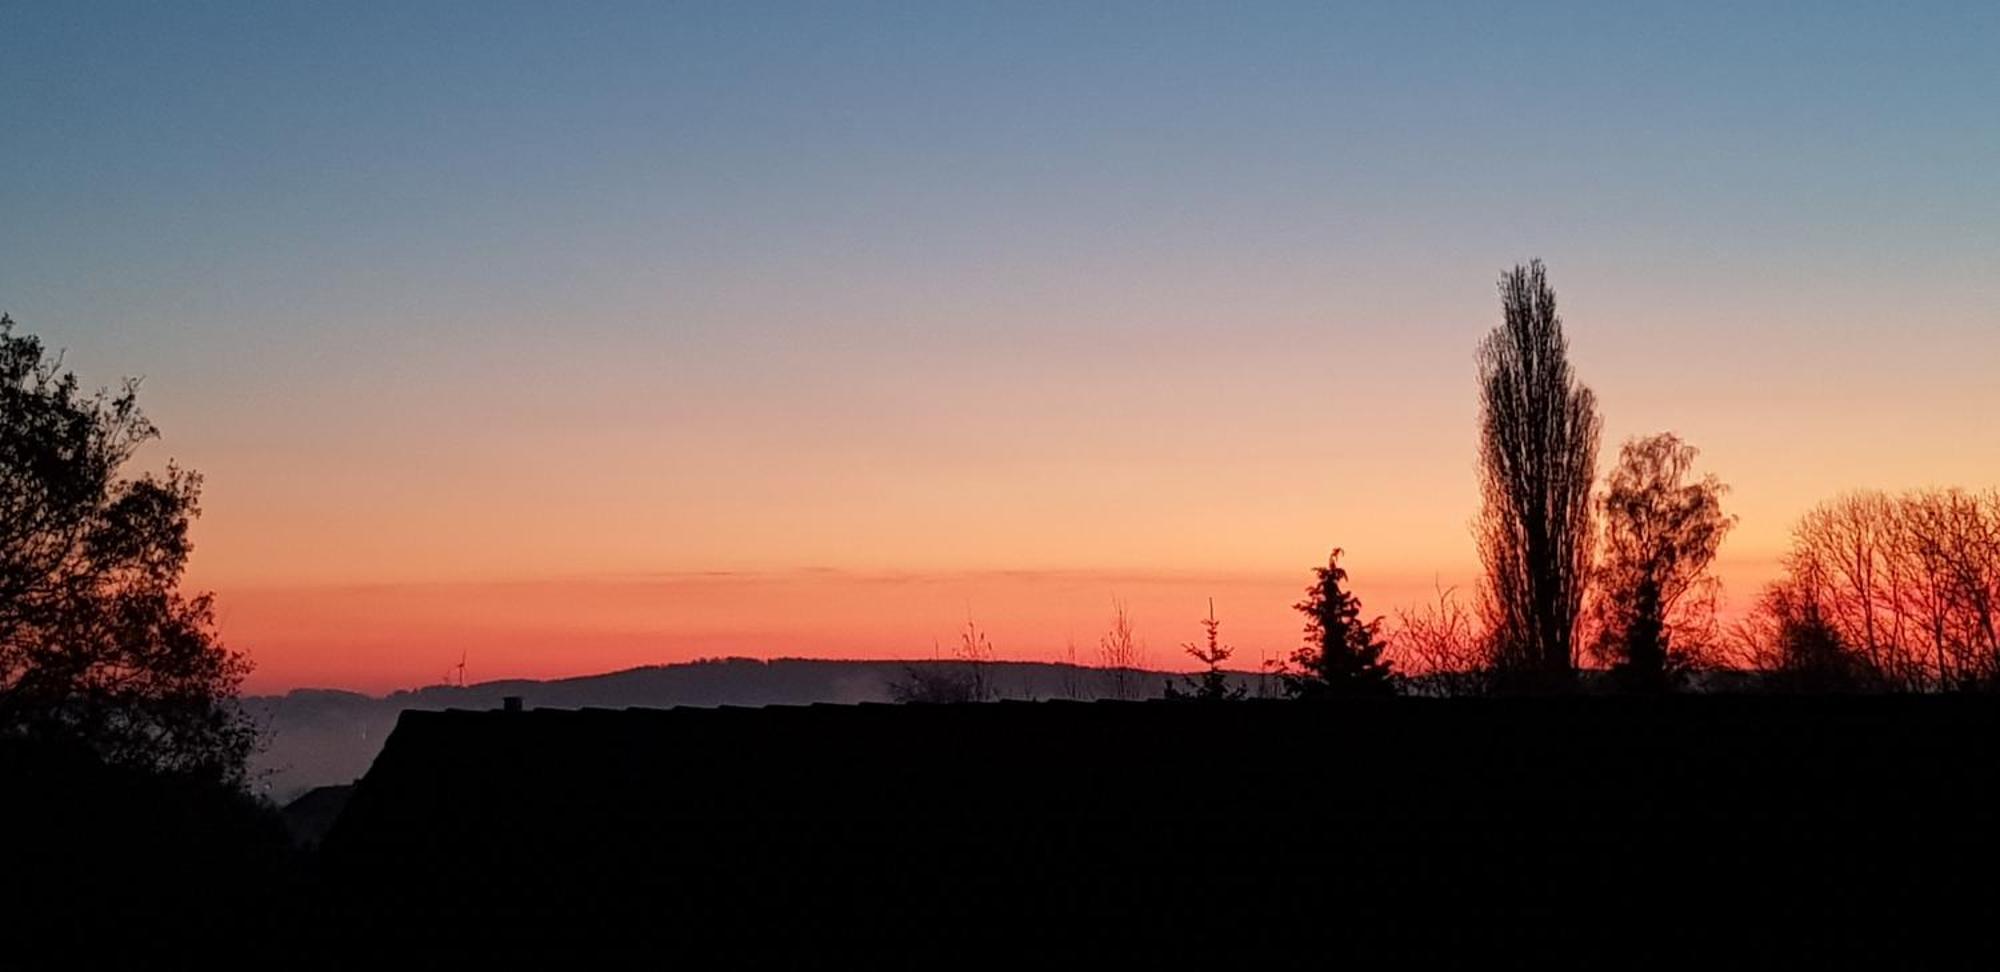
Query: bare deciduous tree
(1654, 601)
(1842, 558)
(1120, 652)
(1951, 541)
(1791, 641)
(1907, 587)
(1538, 456)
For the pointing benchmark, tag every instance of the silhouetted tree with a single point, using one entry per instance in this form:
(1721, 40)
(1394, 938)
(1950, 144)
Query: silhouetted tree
(97, 643)
(1949, 546)
(1538, 455)
(1790, 639)
(1654, 603)
(1119, 651)
(1211, 684)
(1342, 654)
(1910, 583)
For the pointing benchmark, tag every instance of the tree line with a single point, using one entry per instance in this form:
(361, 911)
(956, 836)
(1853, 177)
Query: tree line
(1886, 592)
(1608, 582)
(1880, 593)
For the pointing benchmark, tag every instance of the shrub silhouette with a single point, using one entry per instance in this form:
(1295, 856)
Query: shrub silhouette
(1439, 649)
(1792, 643)
(964, 679)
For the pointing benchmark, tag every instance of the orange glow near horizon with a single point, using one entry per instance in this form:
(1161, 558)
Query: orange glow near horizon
(381, 637)
(605, 522)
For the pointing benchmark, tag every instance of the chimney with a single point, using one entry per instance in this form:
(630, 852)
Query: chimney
(511, 703)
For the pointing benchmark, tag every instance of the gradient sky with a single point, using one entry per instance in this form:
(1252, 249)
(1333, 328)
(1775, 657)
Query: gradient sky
(575, 337)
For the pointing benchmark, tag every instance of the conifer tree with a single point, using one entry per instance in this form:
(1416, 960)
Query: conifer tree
(1211, 685)
(1342, 654)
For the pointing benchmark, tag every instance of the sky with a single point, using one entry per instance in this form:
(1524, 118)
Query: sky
(565, 338)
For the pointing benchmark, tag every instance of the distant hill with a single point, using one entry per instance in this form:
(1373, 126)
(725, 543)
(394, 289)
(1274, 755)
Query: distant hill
(317, 737)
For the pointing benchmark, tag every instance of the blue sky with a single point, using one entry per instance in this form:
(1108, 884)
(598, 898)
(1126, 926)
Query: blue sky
(850, 284)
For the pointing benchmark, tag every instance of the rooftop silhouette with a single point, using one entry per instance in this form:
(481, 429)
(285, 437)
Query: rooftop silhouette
(1494, 829)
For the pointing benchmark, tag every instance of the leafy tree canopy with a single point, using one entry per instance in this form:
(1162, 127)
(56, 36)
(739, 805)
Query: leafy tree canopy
(97, 644)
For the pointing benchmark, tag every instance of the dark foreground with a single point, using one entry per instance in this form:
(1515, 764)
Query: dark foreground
(1599, 828)
(1495, 832)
